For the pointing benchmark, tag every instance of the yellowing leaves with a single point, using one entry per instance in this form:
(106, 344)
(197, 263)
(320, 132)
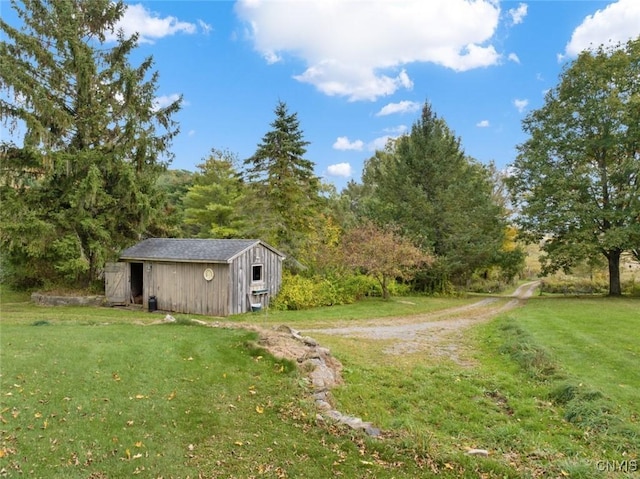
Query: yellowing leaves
(259, 409)
(171, 396)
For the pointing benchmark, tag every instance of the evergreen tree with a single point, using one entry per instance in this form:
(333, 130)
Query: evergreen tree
(83, 183)
(284, 189)
(439, 197)
(212, 203)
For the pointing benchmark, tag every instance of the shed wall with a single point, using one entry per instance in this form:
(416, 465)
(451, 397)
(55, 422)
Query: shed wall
(241, 285)
(182, 288)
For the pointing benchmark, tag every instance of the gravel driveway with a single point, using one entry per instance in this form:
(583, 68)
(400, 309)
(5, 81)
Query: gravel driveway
(432, 331)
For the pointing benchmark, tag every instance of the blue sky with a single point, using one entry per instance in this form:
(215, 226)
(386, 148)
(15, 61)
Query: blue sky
(358, 71)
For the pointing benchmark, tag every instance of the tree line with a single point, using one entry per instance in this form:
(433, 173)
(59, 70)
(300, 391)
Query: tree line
(91, 176)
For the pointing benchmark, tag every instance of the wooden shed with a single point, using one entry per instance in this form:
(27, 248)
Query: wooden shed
(215, 277)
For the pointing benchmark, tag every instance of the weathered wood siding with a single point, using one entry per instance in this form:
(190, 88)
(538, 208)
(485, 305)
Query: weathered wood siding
(117, 286)
(181, 287)
(241, 285)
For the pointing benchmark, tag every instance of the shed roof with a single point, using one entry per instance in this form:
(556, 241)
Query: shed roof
(191, 250)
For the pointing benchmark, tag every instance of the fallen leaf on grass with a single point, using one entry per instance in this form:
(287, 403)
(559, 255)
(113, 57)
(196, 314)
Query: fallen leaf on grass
(171, 396)
(259, 409)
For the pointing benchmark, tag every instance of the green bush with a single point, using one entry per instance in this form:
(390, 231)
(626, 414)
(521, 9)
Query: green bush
(631, 288)
(574, 286)
(304, 292)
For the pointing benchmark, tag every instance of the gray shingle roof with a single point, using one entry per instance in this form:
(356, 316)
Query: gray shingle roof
(196, 250)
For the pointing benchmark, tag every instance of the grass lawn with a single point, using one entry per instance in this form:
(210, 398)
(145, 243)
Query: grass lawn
(369, 308)
(100, 393)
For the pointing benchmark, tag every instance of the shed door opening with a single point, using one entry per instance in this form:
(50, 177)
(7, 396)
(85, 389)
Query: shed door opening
(136, 283)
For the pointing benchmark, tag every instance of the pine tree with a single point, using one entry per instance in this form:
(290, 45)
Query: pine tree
(94, 143)
(212, 202)
(439, 197)
(285, 190)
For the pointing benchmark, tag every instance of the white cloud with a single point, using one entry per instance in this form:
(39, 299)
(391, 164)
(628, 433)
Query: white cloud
(358, 49)
(517, 14)
(343, 170)
(520, 104)
(150, 26)
(617, 23)
(400, 107)
(392, 133)
(164, 101)
(514, 58)
(397, 130)
(343, 143)
(380, 143)
(483, 124)
(205, 27)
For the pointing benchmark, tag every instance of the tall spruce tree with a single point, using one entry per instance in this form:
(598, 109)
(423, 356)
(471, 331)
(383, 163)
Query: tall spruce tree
(440, 198)
(83, 183)
(284, 189)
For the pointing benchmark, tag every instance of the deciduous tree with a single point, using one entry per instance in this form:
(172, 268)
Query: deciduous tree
(576, 179)
(381, 253)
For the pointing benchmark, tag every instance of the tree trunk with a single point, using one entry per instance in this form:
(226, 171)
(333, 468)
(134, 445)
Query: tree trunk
(614, 272)
(385, 290)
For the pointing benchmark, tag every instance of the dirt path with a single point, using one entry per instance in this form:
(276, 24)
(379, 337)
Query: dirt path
(436, 331)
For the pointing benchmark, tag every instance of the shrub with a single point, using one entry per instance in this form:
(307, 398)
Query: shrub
(302, 292)
(574, 286)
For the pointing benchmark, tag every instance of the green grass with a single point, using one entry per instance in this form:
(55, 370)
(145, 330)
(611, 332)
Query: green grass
(596, 343)
(101, 393)
(366, 309)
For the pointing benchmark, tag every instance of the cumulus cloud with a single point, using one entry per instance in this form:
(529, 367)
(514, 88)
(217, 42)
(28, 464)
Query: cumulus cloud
(483, 124)
(400, 107)
(517, 14)
(391, 134)
(617, 23)
(397, 130)
(514, 58)
(343, 170)
(358, 49)
(150, 26)
(164, 101)
(343, 143)
(520, 104)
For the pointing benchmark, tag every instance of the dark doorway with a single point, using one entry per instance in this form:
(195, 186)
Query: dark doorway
(136, 282)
